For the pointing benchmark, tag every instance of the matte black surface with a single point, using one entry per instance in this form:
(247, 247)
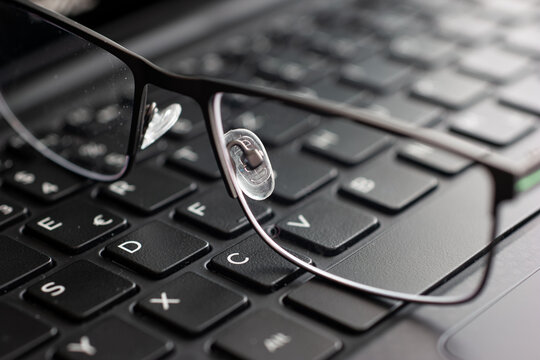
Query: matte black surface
(10, 211)
(196, 156)
(338, 307)
(433, 158)
(20, 331)
(346, 142)
(408, 109)
(389, 186)
(299, 176)
(114, 338)
(157, 249)
(19, 262)
(43, 181)
(267, 334)
(80, 290)
(255, 264)
(218, 213)
(327, 226)
(148, 189)
(450, 89)
(76, 226)
(192, 303)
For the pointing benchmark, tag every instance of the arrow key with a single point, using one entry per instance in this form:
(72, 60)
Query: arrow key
(327, 227)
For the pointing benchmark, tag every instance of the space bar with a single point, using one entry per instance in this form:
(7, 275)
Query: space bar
(429, 245)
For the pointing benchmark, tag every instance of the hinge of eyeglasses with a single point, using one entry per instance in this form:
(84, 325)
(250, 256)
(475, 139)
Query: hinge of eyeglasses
(157, 123)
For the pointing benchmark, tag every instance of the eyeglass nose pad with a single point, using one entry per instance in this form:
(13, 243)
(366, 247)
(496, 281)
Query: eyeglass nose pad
(159, 122)
(251, 163)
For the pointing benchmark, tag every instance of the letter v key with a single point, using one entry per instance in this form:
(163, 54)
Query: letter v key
(302, 224)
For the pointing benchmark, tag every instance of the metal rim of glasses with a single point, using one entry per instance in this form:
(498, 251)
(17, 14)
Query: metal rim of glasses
(207, 92)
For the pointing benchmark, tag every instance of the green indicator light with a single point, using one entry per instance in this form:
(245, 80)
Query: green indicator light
(527, 182)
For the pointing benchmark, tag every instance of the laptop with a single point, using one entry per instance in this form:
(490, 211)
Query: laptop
(84, 292)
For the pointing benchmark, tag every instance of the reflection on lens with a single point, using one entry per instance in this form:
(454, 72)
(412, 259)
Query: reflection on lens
(65, 95)
(381, 211)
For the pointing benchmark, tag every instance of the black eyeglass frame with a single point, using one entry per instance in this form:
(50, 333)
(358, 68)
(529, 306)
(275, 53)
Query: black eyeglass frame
(207, 93)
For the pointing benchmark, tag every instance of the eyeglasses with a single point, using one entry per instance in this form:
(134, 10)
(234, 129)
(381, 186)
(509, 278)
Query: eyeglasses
(242, 121)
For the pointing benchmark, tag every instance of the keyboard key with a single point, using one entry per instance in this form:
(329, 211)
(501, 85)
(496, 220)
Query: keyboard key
(10, 211)
(5, 163)
(433, 158)
(493, 124)
(254, 263)
(408, 109)
(157, 249)
(276, 125)
(343, 48)
(192, 303)
(524, 40)
(332, 90)
(389, 186)
(450, 89)
(13, 271)
(80, 290)
(494, 64)
(298, 176)
(346, 141)
(338, 306)
(267, 334)
(196, 156)
(20, 332)
(148, 189)
(114, 338)
(327, 227)
(423, 50)
(76, 226)
(523, 95)
(467, 29)
(44, 181)
(377, 74)
(215, 211)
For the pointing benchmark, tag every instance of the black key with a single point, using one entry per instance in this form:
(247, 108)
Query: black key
(157, 249)
(467, 29)
(76, 226)
(191, 121)
(114, 338)
(494, 64)
(450, 89)
(377, 74)
(298, 176)
(389, 186)
(267, 334)
(13, 271)
(276, 124)
(524, 40)
(21, 332)
(219, 213)
(149, 189)
(5, 164)
(423, 50)
(332, 90)
(254, 263)
(192, 303)
(408, 109)
(523, 95)
(346, 141)
(197, 156)
(338, 306)
(10, 211)
(433, 158)
(493, 124)
(44, 180)
(276, 69)
(80, 290)
(343, 48)
(327, 227)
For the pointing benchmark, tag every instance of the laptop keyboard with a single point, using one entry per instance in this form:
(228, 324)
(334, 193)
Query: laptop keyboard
(163, 264)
